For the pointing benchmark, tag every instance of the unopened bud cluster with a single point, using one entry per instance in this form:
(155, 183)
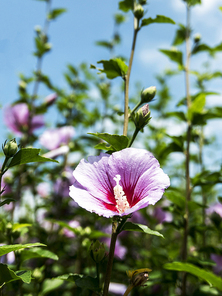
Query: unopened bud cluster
(97, 251)
(138, 277)
(10, 148)
(142, 117)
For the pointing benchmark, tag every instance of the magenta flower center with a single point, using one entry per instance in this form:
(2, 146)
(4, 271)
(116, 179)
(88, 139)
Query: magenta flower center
(121, 201)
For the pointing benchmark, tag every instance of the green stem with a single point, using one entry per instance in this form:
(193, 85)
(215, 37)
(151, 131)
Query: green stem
(110, 259)
(2, 171)
(134, 109)
(97, 273)
(134, 136)
(127, 78)
(187, 161)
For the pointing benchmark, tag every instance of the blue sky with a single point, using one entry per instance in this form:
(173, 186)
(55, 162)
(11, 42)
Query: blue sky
(73, 37)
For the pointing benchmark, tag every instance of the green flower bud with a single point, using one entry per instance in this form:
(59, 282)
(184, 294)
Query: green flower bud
(10, 148)
(142, 117)
(148, 94)
(197, 38)
(97, 251)
(138, 11)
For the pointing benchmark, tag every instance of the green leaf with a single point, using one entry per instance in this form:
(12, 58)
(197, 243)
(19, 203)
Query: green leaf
(174, 55)
(55, 13)
(7, 275)
(37, 253)
(81, 281)
(50, 285)
(9, 248)
(201, 47)
(7, 201)
(27, 155)
(105, 44)
(129, 226)
(180, 35)
(197, 105)
(103, 146)
(126, 5)
(207, 276)
(158, 19)
(114, 68)
(117, 142)
(18, 226)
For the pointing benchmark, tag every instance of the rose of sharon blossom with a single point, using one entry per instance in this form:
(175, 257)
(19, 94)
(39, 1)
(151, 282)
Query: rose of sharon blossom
(17, 119)
(217, 208)
(118, 184)
(54, 138)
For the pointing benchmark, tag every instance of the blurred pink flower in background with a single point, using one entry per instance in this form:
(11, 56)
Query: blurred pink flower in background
(117, 288)
(118, 184)
(50, 99)
(67, 232)
(217, 208)
(61, 186)
(161, 215)
(218, 260)
(54, 138)
(17, 119)
(5, 180)
(43, 189)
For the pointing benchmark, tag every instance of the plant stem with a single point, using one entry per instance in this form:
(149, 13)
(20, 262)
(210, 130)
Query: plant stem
(127, 78)
(97, 273)
(134, 136)
(187, 161)
(110, 259)
(130, 287)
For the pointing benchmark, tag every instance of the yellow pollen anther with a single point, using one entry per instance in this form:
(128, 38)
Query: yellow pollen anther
(121, 201)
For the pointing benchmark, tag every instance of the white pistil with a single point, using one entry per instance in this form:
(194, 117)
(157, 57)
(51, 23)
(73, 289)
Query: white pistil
(121, 201)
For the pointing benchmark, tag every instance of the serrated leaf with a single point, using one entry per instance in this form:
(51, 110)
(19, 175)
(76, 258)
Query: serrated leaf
(116, 141)
(37, 253)
(81, 281)
(129, 226)
(7, 275)
(114, 68)
(9, 248)
(55, 13)
(180, 36)
(7, 201)
(201, 47)
(157, 19)
(174, 55)
(105, 44)
(207, 276)
(27, 155)
(70, 277)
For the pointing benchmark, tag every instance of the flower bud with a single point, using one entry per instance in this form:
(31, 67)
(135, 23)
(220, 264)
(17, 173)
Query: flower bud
(138, 11)
(142, 117)
(50, 99)
(148, 94)
(138, 277)
(97, 251)
(10, 148)
(197, 38)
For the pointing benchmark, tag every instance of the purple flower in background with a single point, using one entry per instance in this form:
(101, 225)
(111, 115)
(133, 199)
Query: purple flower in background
(67, 232)
(43, 189)
(17, 119)
(162, 216)
(218, 260)
(50, 99)
(54, 138)
(118, 184)
(61, 186)
(217, 208)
